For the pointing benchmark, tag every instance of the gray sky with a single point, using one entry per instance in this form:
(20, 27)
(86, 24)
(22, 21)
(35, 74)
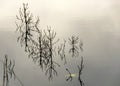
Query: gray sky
(58, 13)
(96, 22)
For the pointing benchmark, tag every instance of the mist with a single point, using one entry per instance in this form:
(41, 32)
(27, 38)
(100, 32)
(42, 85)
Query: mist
(96, 22)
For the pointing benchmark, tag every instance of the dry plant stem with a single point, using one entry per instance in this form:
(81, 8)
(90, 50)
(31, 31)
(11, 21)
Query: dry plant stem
(8, 71)
(40, 38)
(40, 51)
(80, 67)
(26, 25)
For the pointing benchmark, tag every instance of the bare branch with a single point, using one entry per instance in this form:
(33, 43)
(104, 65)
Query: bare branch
(73, 41)
(26, 26)
(70, 75)
(80, 67)
(8, 71)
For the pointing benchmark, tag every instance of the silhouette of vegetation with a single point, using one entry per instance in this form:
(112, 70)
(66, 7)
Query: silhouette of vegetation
(61, 51)
(37, 50)
(50, 37)
(41, 46)
(80, 67)
(70, 75)
(8, 71)
(74, 50)
(40, 50)
(25, 27)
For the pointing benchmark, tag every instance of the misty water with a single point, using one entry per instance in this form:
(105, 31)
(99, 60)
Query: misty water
(101, 58)
(96, 22)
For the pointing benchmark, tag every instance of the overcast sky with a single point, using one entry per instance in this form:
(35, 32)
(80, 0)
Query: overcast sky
(58, 13)
(96, 22)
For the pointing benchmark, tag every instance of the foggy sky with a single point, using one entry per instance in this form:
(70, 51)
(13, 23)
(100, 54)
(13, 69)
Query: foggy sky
(96, 22)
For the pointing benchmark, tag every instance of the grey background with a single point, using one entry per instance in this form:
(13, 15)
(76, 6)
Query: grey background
(95, 21)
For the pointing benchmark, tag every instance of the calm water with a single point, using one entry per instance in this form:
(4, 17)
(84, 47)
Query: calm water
(101, 59)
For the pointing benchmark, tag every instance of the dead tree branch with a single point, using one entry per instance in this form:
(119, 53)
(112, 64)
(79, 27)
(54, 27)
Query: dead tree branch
(80, 68)
(25, 27)
(8, 71)
(50, 36)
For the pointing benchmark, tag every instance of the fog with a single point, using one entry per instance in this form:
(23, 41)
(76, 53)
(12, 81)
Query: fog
(96, 22)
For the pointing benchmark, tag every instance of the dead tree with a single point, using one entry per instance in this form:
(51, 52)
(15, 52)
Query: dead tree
(80, 68)
(50, 37)
(38, 48)
(74, 50)
(25, 27)
(8, 71)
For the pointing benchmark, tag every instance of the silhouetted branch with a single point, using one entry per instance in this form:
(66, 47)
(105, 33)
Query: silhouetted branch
(80, 67)
(40, 46)
(70, 75)
(8, 71)
(73, 41)
(26, 26)
(50, 35)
